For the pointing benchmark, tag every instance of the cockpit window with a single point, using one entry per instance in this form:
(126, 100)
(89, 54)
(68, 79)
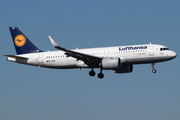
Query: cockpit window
(162, 49)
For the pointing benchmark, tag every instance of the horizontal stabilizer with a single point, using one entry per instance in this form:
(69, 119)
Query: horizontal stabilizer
(14, 56)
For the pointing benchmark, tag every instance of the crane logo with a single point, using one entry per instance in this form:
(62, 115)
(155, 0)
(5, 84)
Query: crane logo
(20, 40)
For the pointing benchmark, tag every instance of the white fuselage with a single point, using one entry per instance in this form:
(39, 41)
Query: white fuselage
(132, 54)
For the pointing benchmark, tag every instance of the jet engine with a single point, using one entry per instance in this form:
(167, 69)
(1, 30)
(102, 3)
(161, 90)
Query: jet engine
(111, 63)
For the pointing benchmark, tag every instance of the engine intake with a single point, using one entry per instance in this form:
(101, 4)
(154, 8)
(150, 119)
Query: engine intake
(111, 63)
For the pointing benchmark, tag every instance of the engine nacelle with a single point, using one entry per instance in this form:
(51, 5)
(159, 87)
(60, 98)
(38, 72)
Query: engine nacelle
(124, 69)
(111, 63)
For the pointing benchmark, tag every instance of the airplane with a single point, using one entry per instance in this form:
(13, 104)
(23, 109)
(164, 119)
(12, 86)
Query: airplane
(119, 58)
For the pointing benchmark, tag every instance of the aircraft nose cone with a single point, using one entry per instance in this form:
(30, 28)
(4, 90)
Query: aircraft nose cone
(173, 54)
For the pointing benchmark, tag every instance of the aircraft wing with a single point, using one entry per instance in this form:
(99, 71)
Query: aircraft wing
(88, 59)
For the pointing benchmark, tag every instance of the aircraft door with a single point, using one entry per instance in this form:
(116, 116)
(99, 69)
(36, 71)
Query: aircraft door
(151, 50)
(106, 53)
(40, 58)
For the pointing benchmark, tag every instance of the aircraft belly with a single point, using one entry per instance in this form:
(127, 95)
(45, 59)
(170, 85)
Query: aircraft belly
(143, 60)
(63, 63)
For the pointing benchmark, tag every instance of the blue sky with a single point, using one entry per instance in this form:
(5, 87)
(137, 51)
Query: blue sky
(28, 92)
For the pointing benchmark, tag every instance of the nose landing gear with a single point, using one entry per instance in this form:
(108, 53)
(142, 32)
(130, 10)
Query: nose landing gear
(153, 70)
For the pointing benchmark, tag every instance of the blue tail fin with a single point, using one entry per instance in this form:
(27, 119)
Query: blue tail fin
(22, 44)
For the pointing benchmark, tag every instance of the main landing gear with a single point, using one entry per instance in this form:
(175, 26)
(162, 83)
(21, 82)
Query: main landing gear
(100, 75)
(153, 70)
(92, 73)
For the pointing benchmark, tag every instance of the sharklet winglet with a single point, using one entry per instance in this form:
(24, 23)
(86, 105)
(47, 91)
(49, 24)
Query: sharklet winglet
(53, 42)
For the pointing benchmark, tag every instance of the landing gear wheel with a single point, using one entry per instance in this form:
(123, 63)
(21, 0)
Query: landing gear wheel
(154, 70)
(92, 73)
(100, 75)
